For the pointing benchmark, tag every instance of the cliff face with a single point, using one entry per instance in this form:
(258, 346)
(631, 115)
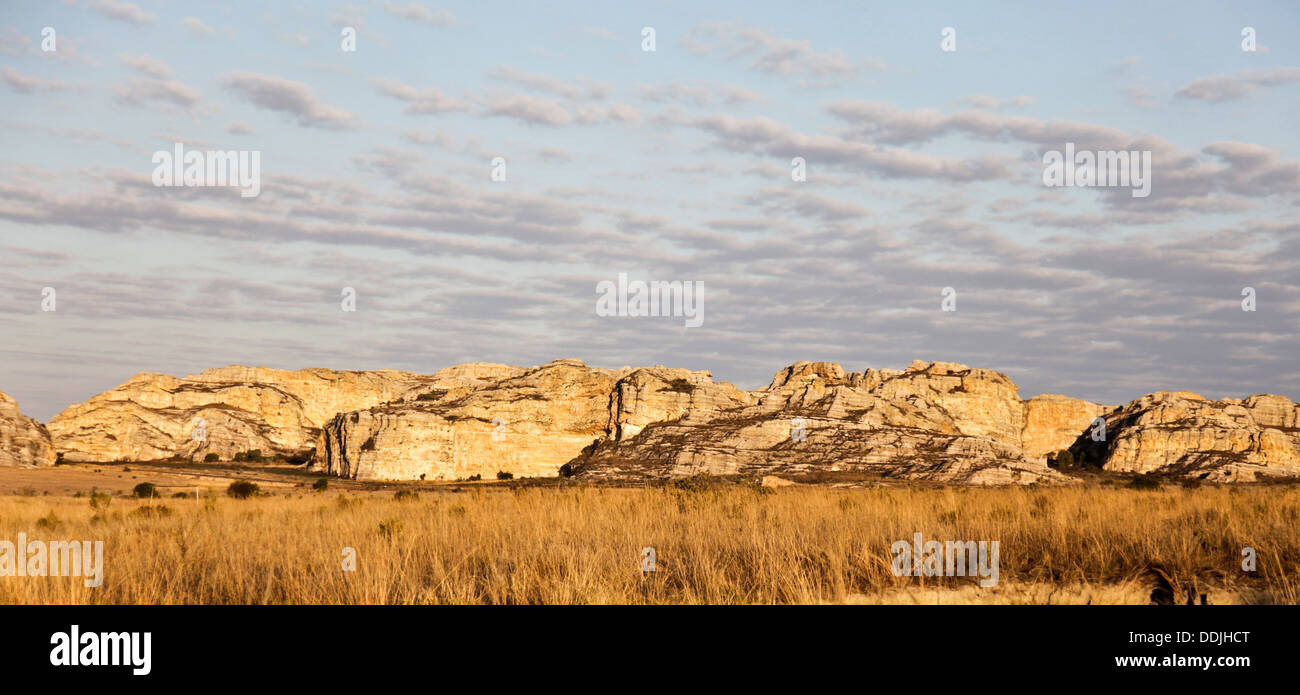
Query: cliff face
(222, 411)
(528, 423)
(931, 421)
(934, 421)
(1180, 432)
(24, 442)
(1054, 422)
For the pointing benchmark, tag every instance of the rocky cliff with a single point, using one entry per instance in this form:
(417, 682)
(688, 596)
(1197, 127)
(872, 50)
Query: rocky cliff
(934, 421)
(24, 442)
(937, 421)
(1184, 434)
(527, 423)
(222, 411)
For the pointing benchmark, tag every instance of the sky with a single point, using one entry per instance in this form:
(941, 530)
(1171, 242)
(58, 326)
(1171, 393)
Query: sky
(923, 171)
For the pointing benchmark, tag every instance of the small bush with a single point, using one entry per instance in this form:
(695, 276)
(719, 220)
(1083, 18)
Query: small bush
(49, 521)
(502, 475)
(391, 527)
(145, 490)
(406, 495)
(99, 501)
(474, 477)
(301, 457)
(150, 512)
(241, 456)
(321, 485)
(253, 454)
(1144, 482)
(242, 489)
(183, 495)
(212, 457)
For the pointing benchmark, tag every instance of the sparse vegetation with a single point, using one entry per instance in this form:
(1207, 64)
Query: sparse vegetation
(1144, 482)
(727, 545)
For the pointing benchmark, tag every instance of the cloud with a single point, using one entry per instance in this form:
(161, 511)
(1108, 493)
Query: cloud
(1230, 87)
(286, 96)
(697, 93)
(148, 65)
(239, 128)
(29, 84)
(548, 84)
(430, 100)
(420, 14)
(140, 92)
(773, 55)
(984, 101)
(197, 27)
(526, 109)
(123, 12)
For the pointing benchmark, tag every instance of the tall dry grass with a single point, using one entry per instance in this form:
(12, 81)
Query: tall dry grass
(716, 545)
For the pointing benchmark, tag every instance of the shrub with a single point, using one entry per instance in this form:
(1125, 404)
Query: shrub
(476, 476)
(212, 457)
(502, 475)
(253, 454)
(145, 490)
(301, 457)
(321, 485)
(391, 527)
(241, 456)
(183, 495)
(242, 489)
(1144, 482)
(406, 495)
(150, 512)
(99, 501)
(49, 521)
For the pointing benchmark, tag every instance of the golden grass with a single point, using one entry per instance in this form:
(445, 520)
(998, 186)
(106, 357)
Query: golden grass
(720, 545)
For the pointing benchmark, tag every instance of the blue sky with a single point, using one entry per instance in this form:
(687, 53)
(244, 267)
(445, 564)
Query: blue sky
(924, 172)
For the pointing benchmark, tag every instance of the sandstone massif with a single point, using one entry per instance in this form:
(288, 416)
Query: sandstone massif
(814, 422)
(24, 442)
(222, 411)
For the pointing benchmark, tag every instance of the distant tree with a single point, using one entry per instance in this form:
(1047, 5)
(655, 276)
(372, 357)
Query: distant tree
(145, 490)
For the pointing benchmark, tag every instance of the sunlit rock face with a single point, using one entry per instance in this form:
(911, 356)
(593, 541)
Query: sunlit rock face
(1185, 434)
(221, 411)
(24, 442)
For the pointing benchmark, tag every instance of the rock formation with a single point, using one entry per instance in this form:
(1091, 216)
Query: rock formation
(527, 424)
(1184, 434)
(934, 421)
(222, 411)
(24, 442)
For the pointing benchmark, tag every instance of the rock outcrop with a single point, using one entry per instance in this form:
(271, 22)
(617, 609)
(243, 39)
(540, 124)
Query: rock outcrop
(933, 421)
(528, 423)
(1054, 422)
(24, 442)
(224, 411)
(1182, 433)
